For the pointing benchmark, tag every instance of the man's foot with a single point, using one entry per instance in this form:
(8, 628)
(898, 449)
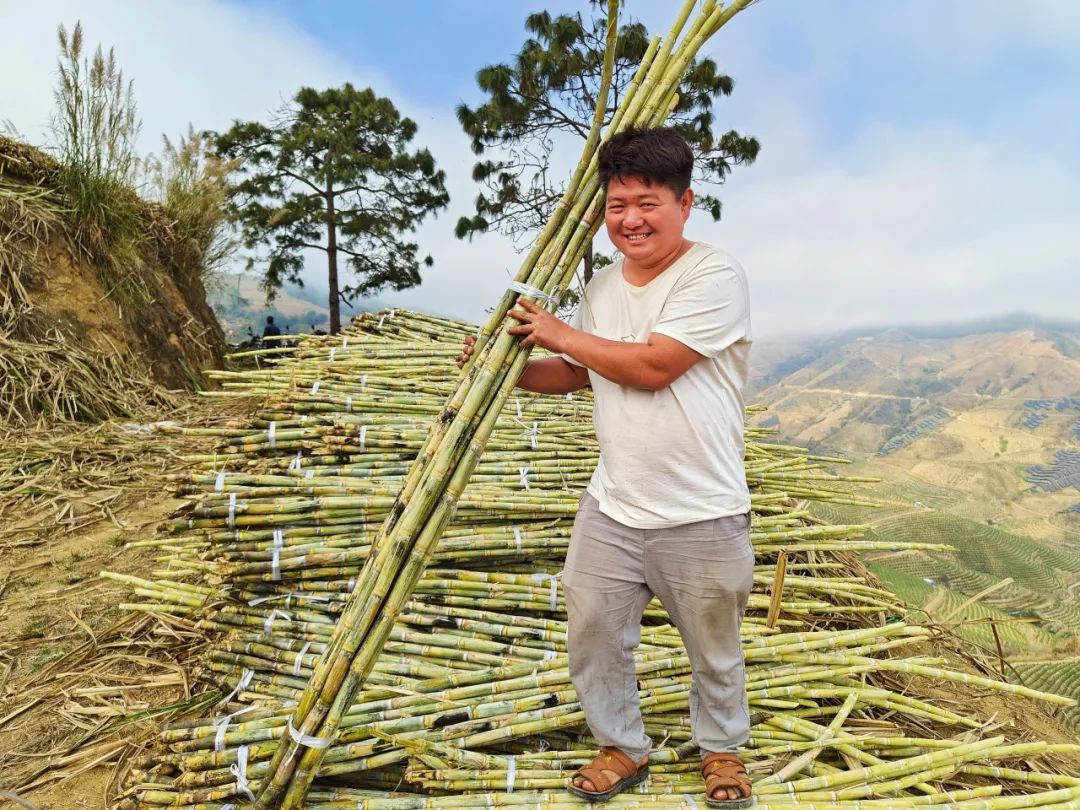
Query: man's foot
(610, 773)
(726, 782)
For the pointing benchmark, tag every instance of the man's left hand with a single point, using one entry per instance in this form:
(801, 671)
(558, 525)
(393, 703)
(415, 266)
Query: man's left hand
(538, 327)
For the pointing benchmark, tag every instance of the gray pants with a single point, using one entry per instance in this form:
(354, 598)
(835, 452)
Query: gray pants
(702, 573)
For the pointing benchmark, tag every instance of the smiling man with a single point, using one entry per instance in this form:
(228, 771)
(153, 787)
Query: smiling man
(663, 338)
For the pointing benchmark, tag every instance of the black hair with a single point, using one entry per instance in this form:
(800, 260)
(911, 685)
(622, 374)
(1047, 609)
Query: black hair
(658, 155)
(269, 318)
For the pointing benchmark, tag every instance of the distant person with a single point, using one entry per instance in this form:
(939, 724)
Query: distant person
(271, 330)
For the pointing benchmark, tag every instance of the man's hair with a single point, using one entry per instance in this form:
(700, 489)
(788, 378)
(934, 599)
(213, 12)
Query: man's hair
(269, 318)
(659, 155)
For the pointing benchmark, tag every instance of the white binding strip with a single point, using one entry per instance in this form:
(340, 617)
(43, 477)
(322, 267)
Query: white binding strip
(691, 802)
(272, 435)
(348, 404)
(523, 472)
(276, 613)
(363, 438)
(309, 474)
(511, 772)
(219, 735)
(345, 342)
(534, 292)
(533, 435)
(333, 351)
(219, 482)
(275, 560)
(299, 664)
(306, 740)
(351, 584)
(242, 684)
(363, 381)
(550, 654)
(517, 404)
(517, 538)
(554, 580)
(231, 521)
(239, 770)
(295, 463)
(570, 396)
(315, 387)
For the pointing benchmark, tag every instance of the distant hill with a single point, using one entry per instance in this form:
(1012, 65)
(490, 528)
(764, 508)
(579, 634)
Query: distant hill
(239, 302)
(858, 394)
(992, 419)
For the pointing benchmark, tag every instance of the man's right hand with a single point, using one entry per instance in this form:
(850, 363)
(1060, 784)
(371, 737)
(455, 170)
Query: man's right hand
(466, 351)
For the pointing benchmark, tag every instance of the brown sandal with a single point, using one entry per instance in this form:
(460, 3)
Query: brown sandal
(722, 770)
(609, 760)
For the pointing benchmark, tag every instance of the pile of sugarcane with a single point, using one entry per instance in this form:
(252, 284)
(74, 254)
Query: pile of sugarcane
(469, 702)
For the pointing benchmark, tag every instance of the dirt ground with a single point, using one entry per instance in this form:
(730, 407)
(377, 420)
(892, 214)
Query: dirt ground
(81, 679)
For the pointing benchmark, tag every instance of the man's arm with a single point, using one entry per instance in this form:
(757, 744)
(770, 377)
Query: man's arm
(652, 365)
(553, 375)
(550, 375)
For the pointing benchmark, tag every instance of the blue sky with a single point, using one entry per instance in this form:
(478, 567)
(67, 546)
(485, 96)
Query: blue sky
(920, 160)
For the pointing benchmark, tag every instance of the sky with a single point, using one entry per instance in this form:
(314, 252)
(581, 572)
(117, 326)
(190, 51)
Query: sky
(920, 161)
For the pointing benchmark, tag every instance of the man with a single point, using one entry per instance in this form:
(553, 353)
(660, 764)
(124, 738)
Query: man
(663, 338)
(271, 329)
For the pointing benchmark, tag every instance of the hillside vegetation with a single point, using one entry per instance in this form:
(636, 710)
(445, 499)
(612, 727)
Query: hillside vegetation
(975, 439)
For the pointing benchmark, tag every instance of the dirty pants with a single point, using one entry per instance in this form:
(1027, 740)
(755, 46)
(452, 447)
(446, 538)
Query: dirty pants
(702, 573)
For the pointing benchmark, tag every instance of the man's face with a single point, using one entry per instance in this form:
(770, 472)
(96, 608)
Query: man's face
(645, 220)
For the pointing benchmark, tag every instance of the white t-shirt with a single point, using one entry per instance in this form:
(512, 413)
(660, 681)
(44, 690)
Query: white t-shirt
(673, 456)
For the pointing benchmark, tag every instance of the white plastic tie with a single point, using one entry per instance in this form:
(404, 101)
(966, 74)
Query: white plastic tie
(549, 654)
(533, 435)
(275, 559)
(219, 735)
(345, 342)
(348, 404)
(307, 740)
(309, 474)
(350, 584)
(315, 387)
(295, 463)
(299, 664)
(231, 521)
(570, 396)
(333, 351)
(511, 772)
(239, 770)
(219, 482)
(554, 580)
(691, 802)
(245, 679)
(524, 480)
(363, 437)
(229, 806)
(517, 404)
(517, 539)
(534, 292)
(272, 435)
(276, 613)
(363, 381)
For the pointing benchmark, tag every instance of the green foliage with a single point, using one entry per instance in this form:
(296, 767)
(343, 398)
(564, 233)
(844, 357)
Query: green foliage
(547, 94)
(94, 127)
(333, 172)
(190, 183)
(1061, 677)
